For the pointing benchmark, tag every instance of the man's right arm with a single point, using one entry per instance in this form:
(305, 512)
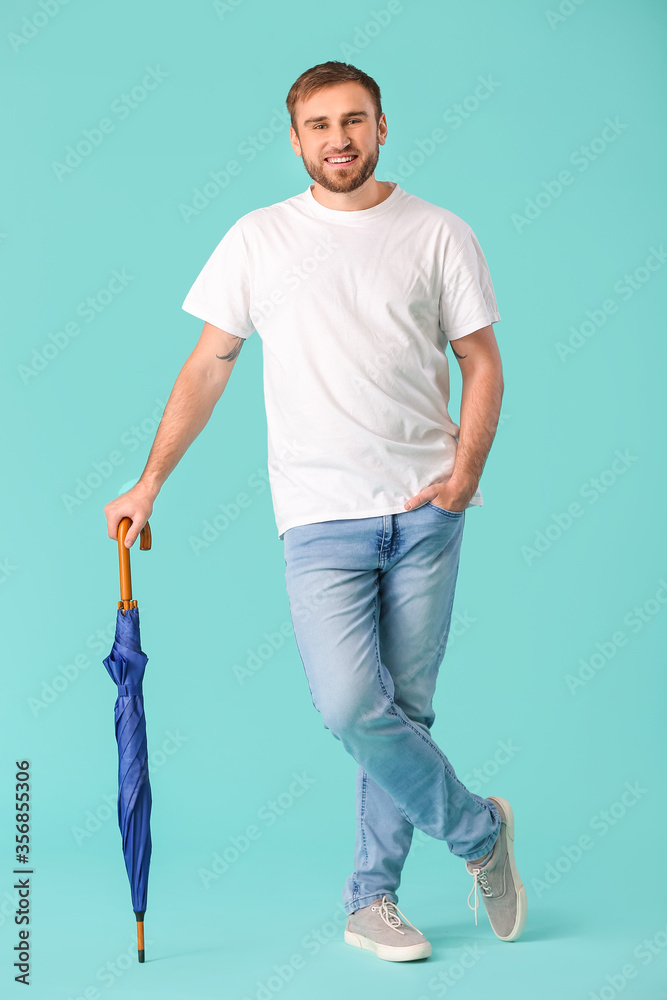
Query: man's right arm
(197, 389)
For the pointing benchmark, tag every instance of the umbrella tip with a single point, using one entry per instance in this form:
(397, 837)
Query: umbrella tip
(140, 934)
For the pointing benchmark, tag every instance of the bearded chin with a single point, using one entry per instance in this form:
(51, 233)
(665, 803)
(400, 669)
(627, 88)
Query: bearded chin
(318, 172)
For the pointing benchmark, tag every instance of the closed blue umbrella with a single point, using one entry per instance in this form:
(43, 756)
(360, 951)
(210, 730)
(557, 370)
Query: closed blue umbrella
(126, 664)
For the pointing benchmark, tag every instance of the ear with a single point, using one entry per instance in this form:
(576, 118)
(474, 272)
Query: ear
(294, 139)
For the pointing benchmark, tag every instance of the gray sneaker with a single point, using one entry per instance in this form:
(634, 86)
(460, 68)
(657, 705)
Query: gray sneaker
(378, 928)
(497, 876)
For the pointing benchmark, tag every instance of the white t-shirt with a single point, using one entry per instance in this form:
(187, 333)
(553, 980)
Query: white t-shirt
(354, 310)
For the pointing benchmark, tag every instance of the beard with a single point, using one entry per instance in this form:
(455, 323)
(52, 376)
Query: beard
(342, 179)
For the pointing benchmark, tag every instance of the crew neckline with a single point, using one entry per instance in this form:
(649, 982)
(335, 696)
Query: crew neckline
(356, 217)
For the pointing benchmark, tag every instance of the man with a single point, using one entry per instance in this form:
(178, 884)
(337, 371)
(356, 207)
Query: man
(355, 287)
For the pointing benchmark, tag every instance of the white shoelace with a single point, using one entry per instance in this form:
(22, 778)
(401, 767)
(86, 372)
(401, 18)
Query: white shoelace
(479, 876)
(390, 917)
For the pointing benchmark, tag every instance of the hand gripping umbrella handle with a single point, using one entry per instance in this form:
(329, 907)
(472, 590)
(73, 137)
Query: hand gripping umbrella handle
(124, 560)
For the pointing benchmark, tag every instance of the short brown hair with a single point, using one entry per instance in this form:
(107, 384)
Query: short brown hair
(324, 75)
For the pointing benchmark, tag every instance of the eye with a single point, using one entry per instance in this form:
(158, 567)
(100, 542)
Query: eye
(348, 121)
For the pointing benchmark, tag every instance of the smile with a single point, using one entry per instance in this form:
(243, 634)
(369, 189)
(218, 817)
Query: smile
(340, 160)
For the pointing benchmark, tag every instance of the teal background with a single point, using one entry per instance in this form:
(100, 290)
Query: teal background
(223, 745)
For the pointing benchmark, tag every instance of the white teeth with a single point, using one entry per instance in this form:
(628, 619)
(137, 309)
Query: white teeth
(339, 159)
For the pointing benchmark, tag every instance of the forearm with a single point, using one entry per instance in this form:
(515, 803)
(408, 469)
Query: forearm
(187, 412)
(481, 396)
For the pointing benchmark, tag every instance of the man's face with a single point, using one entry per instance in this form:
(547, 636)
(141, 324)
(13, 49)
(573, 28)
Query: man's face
(339, 120)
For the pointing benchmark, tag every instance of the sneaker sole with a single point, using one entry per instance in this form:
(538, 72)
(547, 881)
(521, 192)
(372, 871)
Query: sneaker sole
(407, 953)
(521, 901)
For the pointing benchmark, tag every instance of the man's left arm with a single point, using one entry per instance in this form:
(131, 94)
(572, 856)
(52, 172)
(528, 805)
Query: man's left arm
(481, 395)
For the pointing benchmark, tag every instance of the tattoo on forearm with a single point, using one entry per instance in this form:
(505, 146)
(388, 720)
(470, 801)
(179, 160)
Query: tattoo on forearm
(234, 353)
(459, 355)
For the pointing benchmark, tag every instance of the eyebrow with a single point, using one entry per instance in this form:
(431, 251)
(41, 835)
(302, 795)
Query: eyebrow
(348, 114)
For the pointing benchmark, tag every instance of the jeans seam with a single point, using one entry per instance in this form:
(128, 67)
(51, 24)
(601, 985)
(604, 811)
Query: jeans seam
(376, 643)
(397, 533)
(380, 553)
(362, 813)
(303, 664)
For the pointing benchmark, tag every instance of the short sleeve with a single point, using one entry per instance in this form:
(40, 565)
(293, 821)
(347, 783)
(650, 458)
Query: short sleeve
(221, 292)
(467, 300)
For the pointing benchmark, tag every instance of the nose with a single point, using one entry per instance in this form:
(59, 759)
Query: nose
(338, 141)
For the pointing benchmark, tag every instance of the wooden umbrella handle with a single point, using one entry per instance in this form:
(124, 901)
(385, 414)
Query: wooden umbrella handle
(124, 559)
(140, 934)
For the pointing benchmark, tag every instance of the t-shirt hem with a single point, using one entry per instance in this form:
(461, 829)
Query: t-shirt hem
(230, 328)
(463, 331)
(348, 516)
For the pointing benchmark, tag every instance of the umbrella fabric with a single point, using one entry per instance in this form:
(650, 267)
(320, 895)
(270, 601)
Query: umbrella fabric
(126, 664)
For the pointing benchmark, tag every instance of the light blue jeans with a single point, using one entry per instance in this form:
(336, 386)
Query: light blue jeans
(371, 603)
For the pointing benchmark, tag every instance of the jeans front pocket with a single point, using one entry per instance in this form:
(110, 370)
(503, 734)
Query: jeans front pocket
(443, 510)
